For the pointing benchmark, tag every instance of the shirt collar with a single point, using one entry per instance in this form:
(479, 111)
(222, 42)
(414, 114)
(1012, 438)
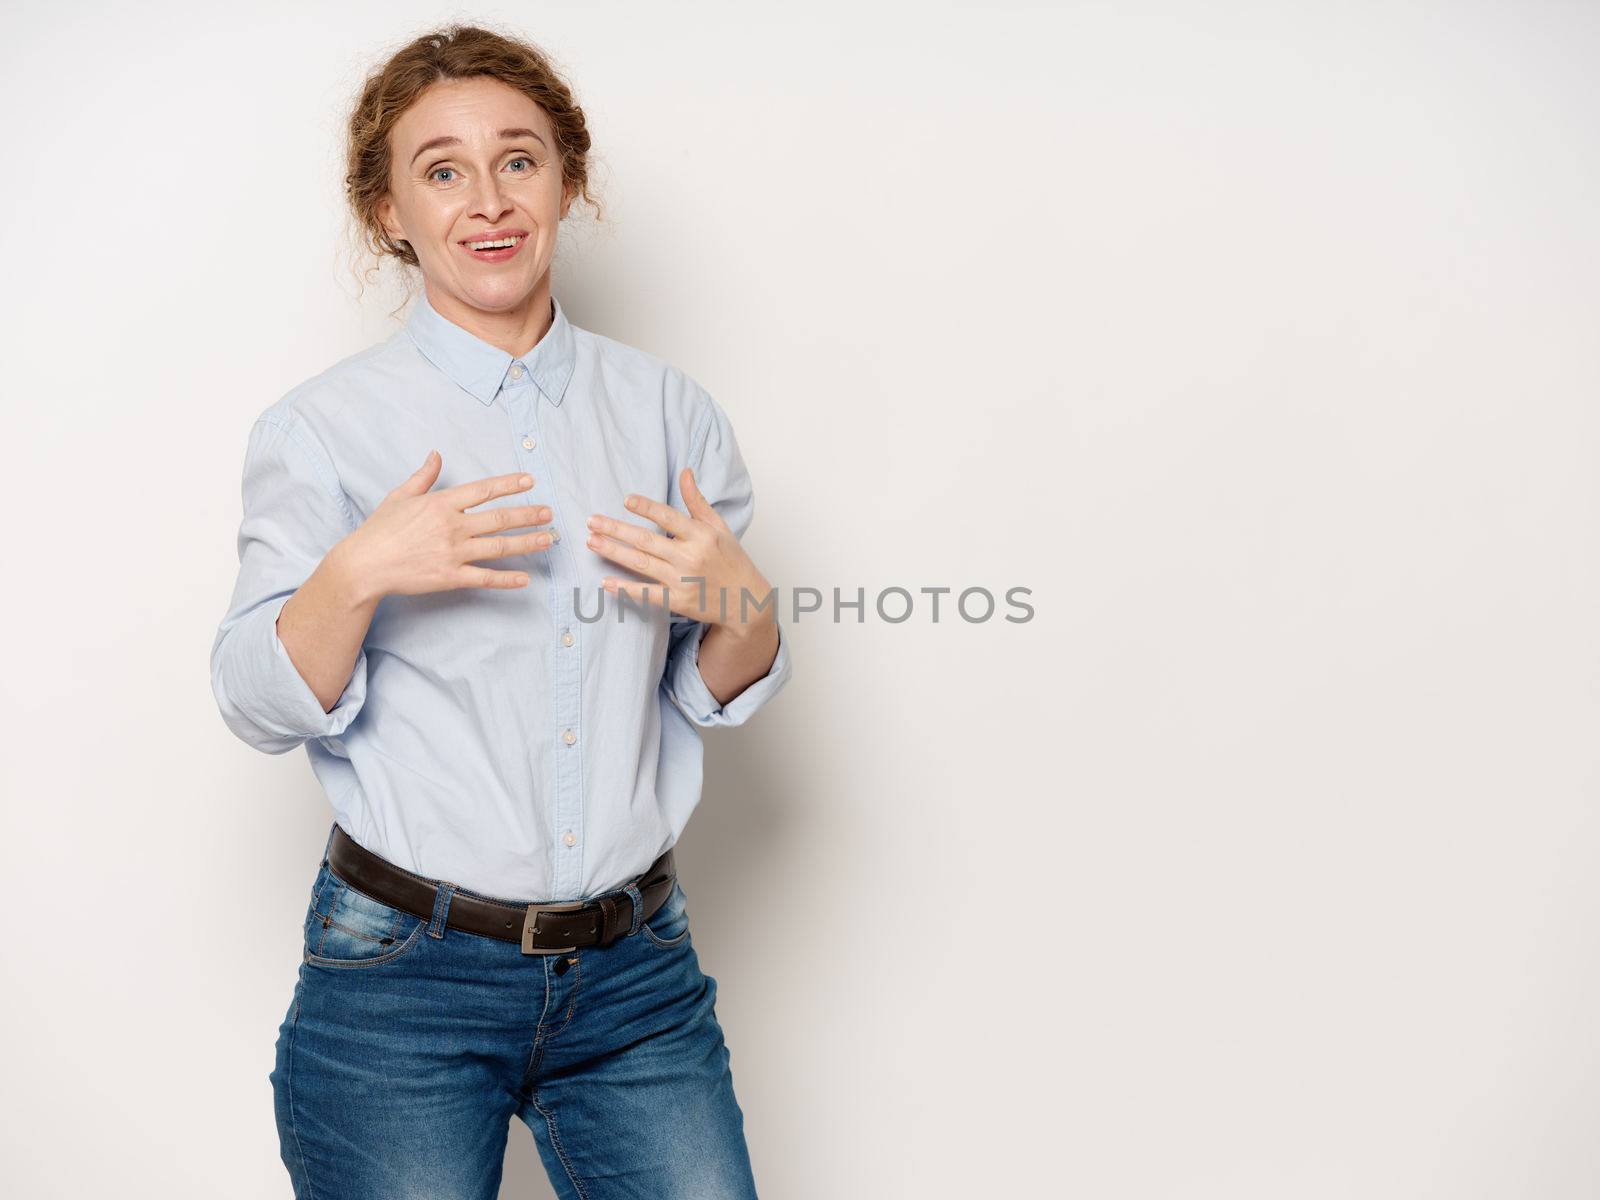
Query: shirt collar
(480, 368)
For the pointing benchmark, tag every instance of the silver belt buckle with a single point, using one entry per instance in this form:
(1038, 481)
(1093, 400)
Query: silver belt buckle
(530, 924)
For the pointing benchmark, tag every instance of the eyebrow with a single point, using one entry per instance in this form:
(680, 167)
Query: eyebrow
(455, 141)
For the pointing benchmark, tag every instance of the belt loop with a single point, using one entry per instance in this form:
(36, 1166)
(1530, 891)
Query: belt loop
(328, 845)
(441, 909)
(637, 905)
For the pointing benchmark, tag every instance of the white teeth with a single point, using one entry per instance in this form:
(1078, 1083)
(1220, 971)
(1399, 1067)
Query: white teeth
(499, 243)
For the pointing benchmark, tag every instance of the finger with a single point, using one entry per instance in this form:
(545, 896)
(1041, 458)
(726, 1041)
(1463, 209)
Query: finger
(501, 544)
(423, 478)
(695, 500)
(642, 593)
(488, 577)
(635, 560)
(465, 495)
(637, 536)
(664, 515)
(493, 520)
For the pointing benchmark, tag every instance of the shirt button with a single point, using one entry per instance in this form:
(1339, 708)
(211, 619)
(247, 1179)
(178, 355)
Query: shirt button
(569, 737)
(566, 637)
(527, 443)
(516, 370)
(555, 535)
(569, 839)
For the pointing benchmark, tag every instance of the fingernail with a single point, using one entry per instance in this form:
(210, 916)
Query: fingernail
(526, 481)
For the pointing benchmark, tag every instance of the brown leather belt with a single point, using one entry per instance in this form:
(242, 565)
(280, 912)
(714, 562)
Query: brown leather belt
(541, 928)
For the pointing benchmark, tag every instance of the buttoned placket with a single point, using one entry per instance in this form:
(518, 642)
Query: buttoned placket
(523, 401)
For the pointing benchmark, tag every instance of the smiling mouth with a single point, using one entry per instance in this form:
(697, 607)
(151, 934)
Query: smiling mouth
(505, 243)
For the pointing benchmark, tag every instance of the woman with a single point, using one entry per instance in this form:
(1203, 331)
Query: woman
(496, 926)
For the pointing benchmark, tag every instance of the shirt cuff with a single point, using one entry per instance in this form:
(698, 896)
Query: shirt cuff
(694, 697)
(265, 697)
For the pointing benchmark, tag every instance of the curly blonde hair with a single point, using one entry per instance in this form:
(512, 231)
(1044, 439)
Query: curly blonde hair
(453, 52)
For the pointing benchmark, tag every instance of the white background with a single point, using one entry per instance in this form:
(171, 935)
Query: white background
(1258, 340)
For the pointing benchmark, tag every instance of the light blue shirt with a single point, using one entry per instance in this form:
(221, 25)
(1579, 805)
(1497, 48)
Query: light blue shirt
(488, 736)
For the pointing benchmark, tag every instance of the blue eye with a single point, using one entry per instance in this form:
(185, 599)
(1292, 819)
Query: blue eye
(434, 174)
(529, 161)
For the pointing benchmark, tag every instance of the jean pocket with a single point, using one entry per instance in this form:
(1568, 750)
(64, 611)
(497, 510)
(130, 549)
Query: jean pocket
(668, 926)
(347, 928)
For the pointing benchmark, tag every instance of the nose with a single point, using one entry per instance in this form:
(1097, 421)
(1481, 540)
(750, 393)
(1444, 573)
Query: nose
(487, 200)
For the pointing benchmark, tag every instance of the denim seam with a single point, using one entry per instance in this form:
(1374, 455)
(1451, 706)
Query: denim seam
(555, 1141)
(439, 921)
(577, 982)
(316, 899)
(329, 922)
(288, 1083)
(664, 943)
(322, 934)
(537, 1053)
(376, 960)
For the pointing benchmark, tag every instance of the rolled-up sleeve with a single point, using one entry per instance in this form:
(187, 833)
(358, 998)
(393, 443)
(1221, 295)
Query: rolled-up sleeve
(720, 473)
(294, 513)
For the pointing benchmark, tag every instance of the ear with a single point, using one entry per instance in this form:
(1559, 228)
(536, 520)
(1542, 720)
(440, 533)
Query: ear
(388, 219)
(566, 201)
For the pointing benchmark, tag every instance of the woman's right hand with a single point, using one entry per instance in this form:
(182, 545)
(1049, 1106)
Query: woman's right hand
(420, 541)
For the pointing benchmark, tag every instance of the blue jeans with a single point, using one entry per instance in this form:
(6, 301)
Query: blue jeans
(408, 1048)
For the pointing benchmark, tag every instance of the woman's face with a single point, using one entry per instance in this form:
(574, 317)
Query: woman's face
(472, 157)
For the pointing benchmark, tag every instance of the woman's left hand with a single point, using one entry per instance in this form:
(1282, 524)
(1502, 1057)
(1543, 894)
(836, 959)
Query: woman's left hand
(700, 547)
